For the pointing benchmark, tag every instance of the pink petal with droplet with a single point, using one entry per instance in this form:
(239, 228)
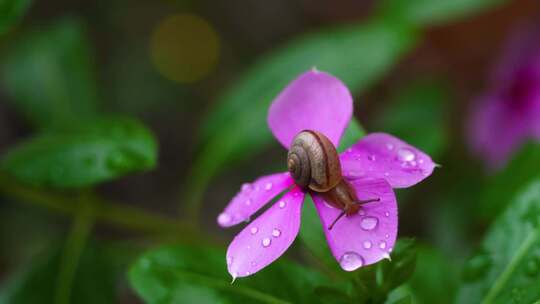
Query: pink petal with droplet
(267, 237)
(314, 101)
(380, 155)
(253, 197)
(367, 237)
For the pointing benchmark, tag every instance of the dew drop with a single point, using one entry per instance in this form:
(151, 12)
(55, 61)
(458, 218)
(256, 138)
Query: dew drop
(224, 219)
(276, 232)
(248, 202)
(254, 230)
(367, 244)
(382, 245)
(390, 147)
(386, 236)
(350, 261)
(420, 161)
(386, 174)
(369, 223)
(266, 242)
(371, 157)
(246, 187)
(282, 204)
(406, 154)
(387, 214)
(268, 187)
(361, 212)
(248, 273)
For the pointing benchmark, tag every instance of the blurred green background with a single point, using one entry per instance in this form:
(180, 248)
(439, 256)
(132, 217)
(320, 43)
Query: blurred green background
(127, 126)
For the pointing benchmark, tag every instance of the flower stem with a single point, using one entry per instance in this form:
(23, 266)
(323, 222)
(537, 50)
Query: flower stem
(73, 250)
(113, 213)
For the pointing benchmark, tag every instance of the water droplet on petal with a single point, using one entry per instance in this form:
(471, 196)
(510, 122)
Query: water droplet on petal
(254, 230)
(420, 161)
(268, 187)
(387, 214)
(248, 202)
(282, 204)
(406, 154)
(350, 261)
(367, 244)
(386, 174)
(246, 187)
(386, 236)
(382, 245)
(361, 212)
(248, 273)
(266, 242)
(371, 157)
(389, 146)
(369, 223)
(276, 232)
(224, 219)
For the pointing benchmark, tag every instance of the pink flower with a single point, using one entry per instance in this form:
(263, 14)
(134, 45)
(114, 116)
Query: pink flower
(508, 114)
(373, 166)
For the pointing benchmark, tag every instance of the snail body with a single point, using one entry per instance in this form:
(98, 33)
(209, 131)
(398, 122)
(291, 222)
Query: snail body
(314, 164)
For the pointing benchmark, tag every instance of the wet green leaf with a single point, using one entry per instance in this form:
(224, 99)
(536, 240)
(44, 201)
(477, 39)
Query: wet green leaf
(11, 11)
(88, 153)
(507, 268)
(429, 12)
(49, 77)
(180, 273)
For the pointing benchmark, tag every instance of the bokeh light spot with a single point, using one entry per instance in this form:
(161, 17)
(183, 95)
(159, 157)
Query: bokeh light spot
(184, 48)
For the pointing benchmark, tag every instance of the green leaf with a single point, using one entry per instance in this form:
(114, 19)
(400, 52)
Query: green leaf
(94, 281)
(429, 12)
(177, 274)
(504, 186)
(11, 12)
(236, 128)
(49, 75)
(377, 281)
(417, 114)
(435, 278)
(507, 269)
(88, 153)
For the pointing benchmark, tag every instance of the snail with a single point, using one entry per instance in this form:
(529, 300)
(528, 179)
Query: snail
(313, 163)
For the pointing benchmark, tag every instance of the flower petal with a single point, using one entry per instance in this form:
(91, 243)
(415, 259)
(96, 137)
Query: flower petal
(266, 238)
(367, 237)
(381, 155)
(495, 131)
(253, 197)
(314, 101)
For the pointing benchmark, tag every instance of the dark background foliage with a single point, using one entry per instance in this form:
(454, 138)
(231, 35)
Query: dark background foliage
(123, 134)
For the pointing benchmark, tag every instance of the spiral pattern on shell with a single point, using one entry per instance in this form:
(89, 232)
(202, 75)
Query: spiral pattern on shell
(313, 161)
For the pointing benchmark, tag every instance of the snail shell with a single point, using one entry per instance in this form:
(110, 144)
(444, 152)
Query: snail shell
(314, 162)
